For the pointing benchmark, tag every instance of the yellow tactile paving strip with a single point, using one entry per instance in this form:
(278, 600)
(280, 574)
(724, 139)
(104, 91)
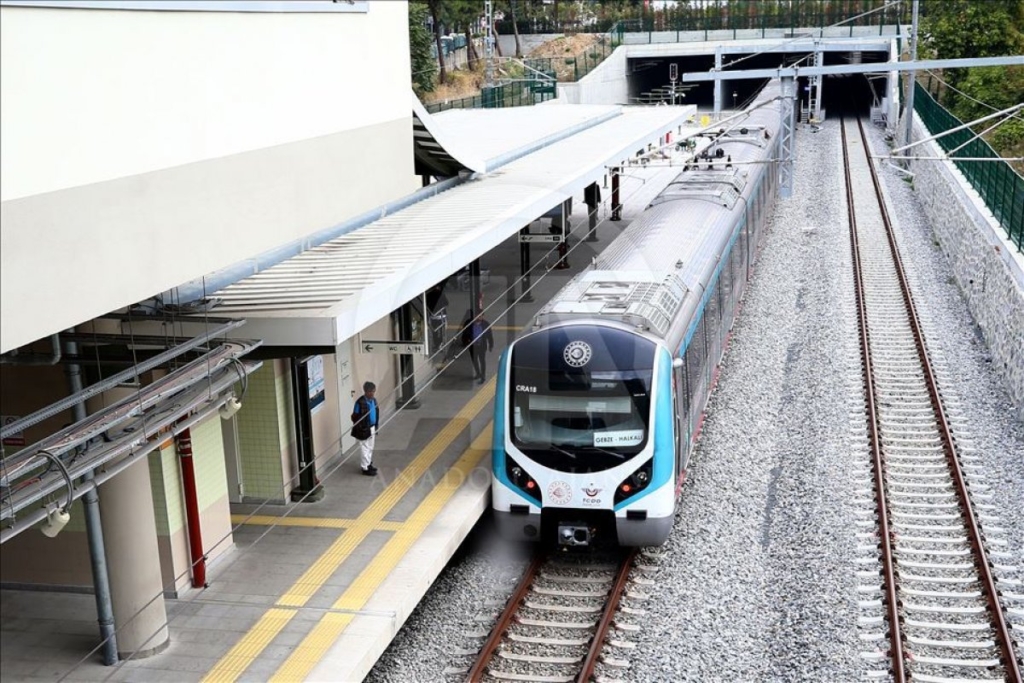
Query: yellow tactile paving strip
(257, 638)
(313, 647)
(314, 522)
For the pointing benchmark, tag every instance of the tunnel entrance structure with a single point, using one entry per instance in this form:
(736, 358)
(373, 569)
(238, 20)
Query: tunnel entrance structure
(653, 74)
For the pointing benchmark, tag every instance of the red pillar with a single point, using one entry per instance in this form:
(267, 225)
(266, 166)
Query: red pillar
(197, 557)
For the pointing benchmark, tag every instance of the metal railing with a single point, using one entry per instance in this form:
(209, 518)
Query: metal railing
(1001, 188)
(714, 18)
(587, 61)
(508, 95)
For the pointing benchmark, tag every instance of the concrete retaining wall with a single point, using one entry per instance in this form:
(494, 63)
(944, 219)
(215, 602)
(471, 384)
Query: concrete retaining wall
(988, 268)
(527, 42)
(606, 84)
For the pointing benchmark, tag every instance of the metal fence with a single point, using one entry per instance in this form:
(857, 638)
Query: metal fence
(587, 61)
(508, 95)
(1001, 188)
(731, 15)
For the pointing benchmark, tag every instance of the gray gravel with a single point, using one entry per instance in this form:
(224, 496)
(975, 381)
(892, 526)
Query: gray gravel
(757, 580)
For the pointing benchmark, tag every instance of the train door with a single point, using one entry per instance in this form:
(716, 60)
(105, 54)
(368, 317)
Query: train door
(682, 412)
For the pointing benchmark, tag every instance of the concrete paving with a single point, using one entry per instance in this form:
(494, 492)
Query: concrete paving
(316, 591)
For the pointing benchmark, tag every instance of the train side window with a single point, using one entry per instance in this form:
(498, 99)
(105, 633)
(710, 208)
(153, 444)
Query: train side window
(751, 216)
(711, 311)
(758, 204)
(725, 285)
(695, 369)
(734, 261)
(742, 254)
(713, 322)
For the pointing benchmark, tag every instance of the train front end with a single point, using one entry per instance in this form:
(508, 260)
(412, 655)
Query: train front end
(584, 445)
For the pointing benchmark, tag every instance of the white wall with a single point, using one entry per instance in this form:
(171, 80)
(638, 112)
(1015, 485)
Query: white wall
(143, 149)
(606, 84)
(91, 95)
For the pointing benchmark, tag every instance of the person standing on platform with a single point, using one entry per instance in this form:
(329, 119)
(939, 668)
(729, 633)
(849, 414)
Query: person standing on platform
(364, 427)
(477, 337)
(592, 198)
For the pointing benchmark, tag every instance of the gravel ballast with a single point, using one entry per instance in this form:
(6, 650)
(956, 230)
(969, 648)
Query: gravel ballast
(757, 581)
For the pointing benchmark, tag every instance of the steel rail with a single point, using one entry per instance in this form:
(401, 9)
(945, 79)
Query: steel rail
(476, 674)
(1003, 636)
(592, 658)
(607, 618)
(897, 654)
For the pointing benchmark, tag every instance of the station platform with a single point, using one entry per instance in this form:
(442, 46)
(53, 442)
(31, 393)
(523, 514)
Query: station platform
(317, 591)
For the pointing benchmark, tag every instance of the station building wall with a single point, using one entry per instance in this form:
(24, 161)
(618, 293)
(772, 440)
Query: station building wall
(32, 560)
(228, 134)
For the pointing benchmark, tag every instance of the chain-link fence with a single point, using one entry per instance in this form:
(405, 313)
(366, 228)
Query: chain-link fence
(1001, 188)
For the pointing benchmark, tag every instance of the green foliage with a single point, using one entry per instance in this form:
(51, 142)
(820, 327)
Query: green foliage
(996, 86)
(968, 28)
(424, 68)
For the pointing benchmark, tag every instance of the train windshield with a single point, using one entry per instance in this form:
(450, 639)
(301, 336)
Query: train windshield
(582, 419)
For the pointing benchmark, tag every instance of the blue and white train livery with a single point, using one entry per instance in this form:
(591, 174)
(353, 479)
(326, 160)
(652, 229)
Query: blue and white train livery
(599, 405)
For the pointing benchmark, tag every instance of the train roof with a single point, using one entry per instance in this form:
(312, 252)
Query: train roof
(641, 299)
(662, 262)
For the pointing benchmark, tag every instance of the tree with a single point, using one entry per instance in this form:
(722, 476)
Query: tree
(965, 28)
(962, 28)
(515, 28)
(435, 15)
(465, 14)
(423, 67)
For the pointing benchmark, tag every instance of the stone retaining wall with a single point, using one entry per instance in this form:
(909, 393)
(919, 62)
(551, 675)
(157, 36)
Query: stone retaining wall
(988, 268)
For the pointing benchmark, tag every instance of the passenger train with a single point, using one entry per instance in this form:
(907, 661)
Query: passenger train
(599, 405)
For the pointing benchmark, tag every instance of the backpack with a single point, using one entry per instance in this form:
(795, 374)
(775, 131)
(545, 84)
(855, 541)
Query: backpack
(361, 429)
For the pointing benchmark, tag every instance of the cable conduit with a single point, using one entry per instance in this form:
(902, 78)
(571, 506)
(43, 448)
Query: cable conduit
(105, 420)
(137, 434)
(114, 380)
(101, 478)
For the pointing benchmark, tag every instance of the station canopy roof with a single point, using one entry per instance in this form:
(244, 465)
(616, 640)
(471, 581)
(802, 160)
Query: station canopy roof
(544, 155)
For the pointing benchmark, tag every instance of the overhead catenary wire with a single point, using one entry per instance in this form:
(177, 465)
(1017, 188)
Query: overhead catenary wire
(966, 96)
(775, 48)
(344, 459)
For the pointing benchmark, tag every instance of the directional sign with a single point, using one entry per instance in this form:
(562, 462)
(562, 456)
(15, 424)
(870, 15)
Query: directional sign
(394, 347)
(551, 239)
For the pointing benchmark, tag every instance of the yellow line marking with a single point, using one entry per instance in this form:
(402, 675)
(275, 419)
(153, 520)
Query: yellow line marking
(318, 641)
(317, 522)
(238, 659)
(256, 639)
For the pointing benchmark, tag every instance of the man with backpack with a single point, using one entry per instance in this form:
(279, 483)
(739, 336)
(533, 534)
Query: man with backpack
(364, 427)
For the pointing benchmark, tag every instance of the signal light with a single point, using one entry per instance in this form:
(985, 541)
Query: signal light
(520, 479)
(635, 483)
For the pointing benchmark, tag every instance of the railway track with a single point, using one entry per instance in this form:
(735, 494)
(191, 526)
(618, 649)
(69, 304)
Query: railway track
(944, 605)
(569, 619)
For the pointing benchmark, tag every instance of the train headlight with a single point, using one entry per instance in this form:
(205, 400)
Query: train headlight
(635, 482)
(521, 480)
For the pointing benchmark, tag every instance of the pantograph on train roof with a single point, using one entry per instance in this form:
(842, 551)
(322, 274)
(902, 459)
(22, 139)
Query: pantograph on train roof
(640, 299)
(719, 184)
